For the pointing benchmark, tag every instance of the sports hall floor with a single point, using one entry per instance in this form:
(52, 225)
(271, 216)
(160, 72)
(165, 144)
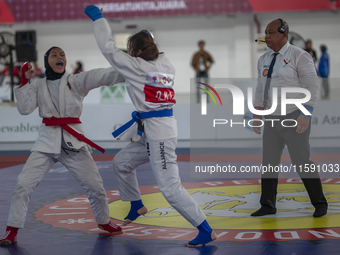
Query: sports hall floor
(60, 220)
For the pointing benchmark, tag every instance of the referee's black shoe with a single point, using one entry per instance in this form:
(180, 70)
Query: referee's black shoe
(264, 211)
(319, 212)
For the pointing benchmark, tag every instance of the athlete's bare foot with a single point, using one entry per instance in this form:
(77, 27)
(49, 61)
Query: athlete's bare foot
(213, 237)
(140, 211)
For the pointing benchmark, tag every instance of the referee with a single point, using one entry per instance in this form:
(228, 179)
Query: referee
(285, 65)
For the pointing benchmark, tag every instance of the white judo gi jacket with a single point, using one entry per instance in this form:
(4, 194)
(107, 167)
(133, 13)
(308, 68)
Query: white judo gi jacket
(72, 90)
(148, 83)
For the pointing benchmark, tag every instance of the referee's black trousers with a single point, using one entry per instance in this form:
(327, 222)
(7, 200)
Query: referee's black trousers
(274, 140)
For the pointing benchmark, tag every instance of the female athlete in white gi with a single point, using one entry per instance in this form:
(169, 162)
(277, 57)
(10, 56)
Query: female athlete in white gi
(59, 97)
(149, 80)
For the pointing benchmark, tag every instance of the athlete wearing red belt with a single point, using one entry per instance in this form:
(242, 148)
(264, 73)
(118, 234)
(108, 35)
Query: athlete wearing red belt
(59, 98)
(149, 79)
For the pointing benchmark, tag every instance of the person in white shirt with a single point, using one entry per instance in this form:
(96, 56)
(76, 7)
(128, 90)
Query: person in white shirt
(294, 68)
(59, 98)
(149, 79)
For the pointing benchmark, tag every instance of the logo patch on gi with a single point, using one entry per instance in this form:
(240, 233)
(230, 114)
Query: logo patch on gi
(69, 144)
(265, 72)
(160, 79)
(286, 61)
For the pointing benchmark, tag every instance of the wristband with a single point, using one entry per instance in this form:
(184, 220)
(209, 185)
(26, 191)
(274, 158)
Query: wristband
(93, 12)
(23, 70)
(255, 116)
(310, 109)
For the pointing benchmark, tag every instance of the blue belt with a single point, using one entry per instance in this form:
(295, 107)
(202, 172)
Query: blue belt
(138, 116)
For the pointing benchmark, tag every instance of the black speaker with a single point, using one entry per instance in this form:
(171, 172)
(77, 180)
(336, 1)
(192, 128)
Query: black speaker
(25, 46)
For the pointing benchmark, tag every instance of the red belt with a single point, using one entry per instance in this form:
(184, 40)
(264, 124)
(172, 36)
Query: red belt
(62, 122)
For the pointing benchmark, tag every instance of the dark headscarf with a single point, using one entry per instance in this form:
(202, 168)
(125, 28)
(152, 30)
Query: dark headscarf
(50, 74)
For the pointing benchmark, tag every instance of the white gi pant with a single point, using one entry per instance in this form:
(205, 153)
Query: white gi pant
(82, 166)
(163, 160)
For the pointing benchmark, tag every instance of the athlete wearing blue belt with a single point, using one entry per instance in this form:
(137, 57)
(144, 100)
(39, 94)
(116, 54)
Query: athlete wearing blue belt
(149, 78)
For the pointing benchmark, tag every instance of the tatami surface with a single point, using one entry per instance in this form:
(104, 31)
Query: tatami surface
(60, 220)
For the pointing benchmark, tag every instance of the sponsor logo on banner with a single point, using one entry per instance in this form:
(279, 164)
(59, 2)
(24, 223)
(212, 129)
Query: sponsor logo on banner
(143, 6)
(113, 94)
(20, 128)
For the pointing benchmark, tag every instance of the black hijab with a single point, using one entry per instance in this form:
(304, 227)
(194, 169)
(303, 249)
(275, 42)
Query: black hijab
(50, 74)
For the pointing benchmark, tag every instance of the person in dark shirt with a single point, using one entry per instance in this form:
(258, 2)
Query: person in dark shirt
(310, 50)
